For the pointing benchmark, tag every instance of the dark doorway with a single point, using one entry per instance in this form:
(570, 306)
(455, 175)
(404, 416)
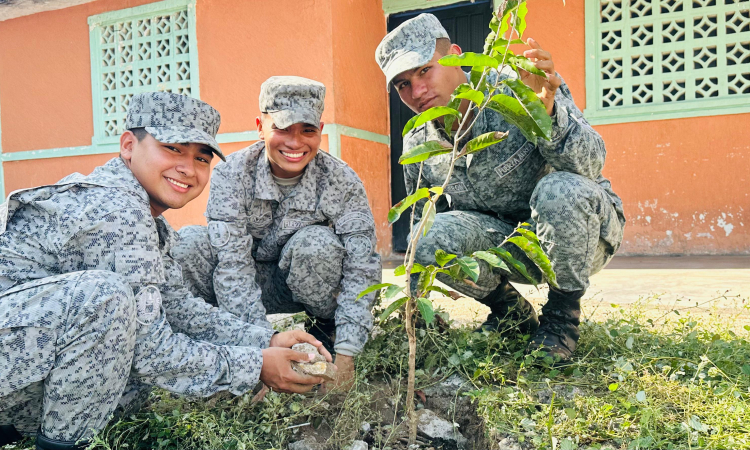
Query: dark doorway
(467, 25)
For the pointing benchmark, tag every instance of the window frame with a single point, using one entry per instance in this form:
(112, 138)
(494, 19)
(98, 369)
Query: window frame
(722, 105)
(96, 24)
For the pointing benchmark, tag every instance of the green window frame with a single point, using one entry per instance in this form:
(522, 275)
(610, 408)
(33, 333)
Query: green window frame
(664, 59)
(147, 48)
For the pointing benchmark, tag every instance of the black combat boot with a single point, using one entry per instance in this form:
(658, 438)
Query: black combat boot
(45, 443)
(558, 333)
(9, 435)
(323, 330)
(510, 313)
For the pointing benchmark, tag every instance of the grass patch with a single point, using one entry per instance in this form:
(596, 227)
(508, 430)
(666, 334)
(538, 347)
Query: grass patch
(636, 383)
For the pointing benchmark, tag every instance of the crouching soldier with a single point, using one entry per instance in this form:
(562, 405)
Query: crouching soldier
(289, 228)
(92, 305)
(557, 186)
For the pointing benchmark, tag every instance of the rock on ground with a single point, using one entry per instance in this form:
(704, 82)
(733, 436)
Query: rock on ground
(439, 430)
(357, 445)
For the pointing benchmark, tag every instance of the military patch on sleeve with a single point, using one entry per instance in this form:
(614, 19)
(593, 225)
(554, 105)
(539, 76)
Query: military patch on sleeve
(358, 245)
(218, 233)
(148, 304)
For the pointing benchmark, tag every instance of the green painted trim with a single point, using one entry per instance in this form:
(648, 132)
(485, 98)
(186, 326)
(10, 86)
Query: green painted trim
(364, 135)
(333, 131)
(398, 6)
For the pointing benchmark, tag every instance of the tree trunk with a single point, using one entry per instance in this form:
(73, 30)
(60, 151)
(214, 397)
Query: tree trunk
(411, 334)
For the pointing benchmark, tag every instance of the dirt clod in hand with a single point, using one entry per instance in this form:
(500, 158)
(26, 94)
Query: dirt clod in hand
(318, 367)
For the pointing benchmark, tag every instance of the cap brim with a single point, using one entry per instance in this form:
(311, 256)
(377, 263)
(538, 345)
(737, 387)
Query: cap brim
(416, 57)
(185, 135)
(287, 117)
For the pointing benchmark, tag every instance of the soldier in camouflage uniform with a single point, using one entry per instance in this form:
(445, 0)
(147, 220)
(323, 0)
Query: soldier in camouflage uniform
(92, 304)
(289, 228)
(557, 186)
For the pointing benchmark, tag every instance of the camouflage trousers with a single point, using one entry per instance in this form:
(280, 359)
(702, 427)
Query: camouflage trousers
(573, 217)
(306, 276)
(66, 349)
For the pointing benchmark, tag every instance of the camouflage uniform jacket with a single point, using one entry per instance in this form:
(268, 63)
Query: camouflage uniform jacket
(250, 220)
(501, 178)
(103, 221)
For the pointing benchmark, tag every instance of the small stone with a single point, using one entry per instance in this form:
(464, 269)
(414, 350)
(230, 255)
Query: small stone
(365, 427)
(306, 444)
(508, 444)
(357, 445)
(318, 367)
(438, 429)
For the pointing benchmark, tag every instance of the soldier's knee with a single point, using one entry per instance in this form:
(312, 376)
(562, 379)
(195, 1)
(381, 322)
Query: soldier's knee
(316, 241)
(562, 191)
(109, 294)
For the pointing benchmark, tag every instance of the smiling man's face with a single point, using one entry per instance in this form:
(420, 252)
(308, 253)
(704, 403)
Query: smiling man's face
(429, 85)
(171, 174)
(289, 150)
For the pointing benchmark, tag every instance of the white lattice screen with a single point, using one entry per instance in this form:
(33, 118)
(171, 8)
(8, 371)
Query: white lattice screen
(656, 56)
(138, 53)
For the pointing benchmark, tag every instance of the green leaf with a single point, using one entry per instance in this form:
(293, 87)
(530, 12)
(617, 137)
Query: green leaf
(392, 307)
(485, 140)
(450, 119)
(494, 23)
(428, 217)
(392, 291)
(514, 113)
(533, 105)
(491, 258)
(520, 22)
(475, 76)
(401, 206)
(613, 387)
(510, 6)
(468, 59)
(431, 114)
(401, 270)
(373, 288)
(516, 264)
(528, 234)
(696, 424)
(465, 91)
(536, 254)
(439, 289)
(641, 396)
(443, 258)
(425, 308)
(424, 151)
(521, 62)
(469, 266)
(437, 190)
(502, 44)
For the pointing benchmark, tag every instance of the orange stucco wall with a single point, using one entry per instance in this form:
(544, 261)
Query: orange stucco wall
(684, 182)
(45, 81)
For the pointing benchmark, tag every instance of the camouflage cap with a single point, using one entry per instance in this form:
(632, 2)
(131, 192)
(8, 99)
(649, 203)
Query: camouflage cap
(175, 119)
(410, 45)
(290, 100)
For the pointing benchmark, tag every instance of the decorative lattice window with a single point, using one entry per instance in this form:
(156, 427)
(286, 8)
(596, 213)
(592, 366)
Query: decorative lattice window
(657, 59)
(148, 48)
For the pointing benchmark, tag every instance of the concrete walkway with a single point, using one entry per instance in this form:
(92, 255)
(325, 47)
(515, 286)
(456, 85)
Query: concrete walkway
(699, 285)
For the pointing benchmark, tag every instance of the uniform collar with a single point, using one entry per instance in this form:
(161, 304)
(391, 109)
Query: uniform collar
(112, 174)
(265, 188)
(304, 195)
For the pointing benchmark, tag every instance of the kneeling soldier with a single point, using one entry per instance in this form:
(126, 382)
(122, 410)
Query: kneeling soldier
(92, 305)
(289, 228)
